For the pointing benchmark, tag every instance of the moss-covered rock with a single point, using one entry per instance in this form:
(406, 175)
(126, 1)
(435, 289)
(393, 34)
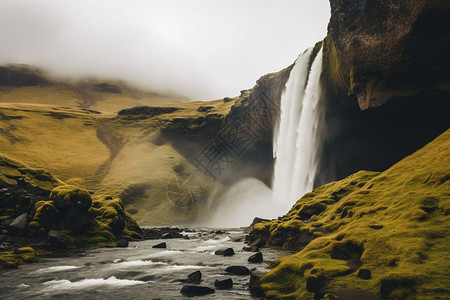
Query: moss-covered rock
(67, 214)
(18, 256)
(376, 234)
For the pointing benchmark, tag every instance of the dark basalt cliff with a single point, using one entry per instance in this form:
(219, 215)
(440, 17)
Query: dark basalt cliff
(382, 49)
(238, 144)
(386, 82)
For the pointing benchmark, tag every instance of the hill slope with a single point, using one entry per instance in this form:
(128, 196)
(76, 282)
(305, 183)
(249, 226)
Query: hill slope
(370, 235)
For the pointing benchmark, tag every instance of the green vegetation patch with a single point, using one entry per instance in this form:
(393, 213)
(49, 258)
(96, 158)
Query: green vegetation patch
(373, 234)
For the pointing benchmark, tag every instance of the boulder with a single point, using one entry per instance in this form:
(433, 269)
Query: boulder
(122, 243)
(225, 252)
(224, 283)
(19, 224)
(238, 270)
(195, 277)
(251, 249)
(65, 197)
(256, 258)
(160, 245)
(58, 239)
(196, 290)
(254, 285)
(259, 242)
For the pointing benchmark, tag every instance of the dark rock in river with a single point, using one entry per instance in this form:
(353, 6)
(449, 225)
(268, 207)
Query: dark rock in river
(238, 270)
(225, 252)
(19, 224)
(122, 243)
(58, 239)
(162, 233)
(195, 277)
(196, 290)
(251, 249)
(225, 283)
(256, 258)
(160, 245)
(254, 285)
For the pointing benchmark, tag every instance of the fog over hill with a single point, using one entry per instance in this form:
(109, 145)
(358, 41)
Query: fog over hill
(201, 49)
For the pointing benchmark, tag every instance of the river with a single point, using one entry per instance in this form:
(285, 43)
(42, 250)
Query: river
(138, 271)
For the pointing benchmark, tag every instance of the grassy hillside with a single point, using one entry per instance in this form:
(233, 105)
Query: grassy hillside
(369, 236)
(87, 144)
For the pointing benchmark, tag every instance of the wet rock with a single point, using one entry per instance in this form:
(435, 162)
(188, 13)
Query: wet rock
(254, 285)
(259, 242)
(195, 277)
(160, 245)
(364, 273)
(122, 243)
(251, 249)
(256, 258)
(238, 270)
(162, 233)
(225, 252)
(225, 283)
(196, 290)
(17, 227)
(58, 239)
(172, 235)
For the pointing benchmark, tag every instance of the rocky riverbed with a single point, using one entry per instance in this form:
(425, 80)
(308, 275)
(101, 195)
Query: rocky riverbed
(143, 271)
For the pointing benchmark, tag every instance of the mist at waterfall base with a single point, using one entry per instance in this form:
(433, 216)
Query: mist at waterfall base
(296, 148)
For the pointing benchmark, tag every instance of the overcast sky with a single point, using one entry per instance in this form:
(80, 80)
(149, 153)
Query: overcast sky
(205, 49)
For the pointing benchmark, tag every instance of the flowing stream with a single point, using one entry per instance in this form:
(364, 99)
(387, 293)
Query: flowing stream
(137, 272)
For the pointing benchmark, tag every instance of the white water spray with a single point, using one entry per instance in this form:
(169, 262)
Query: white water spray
(296, 148)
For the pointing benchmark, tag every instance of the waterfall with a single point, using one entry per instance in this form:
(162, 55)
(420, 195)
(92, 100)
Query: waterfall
(296, 147)
(296, 142)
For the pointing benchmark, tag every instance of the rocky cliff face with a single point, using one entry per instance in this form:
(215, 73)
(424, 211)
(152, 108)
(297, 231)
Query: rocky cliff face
(236, 144)
(387, 82)
(381, 49)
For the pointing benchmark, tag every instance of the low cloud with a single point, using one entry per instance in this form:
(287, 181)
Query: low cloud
(199, 48)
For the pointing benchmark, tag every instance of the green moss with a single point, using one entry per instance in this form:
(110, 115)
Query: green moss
(11, 259)
(67, 196)
(336, 82)
(392, 223)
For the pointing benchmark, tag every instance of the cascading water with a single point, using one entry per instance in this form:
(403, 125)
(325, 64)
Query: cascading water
(296, 143)
(296, 147)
